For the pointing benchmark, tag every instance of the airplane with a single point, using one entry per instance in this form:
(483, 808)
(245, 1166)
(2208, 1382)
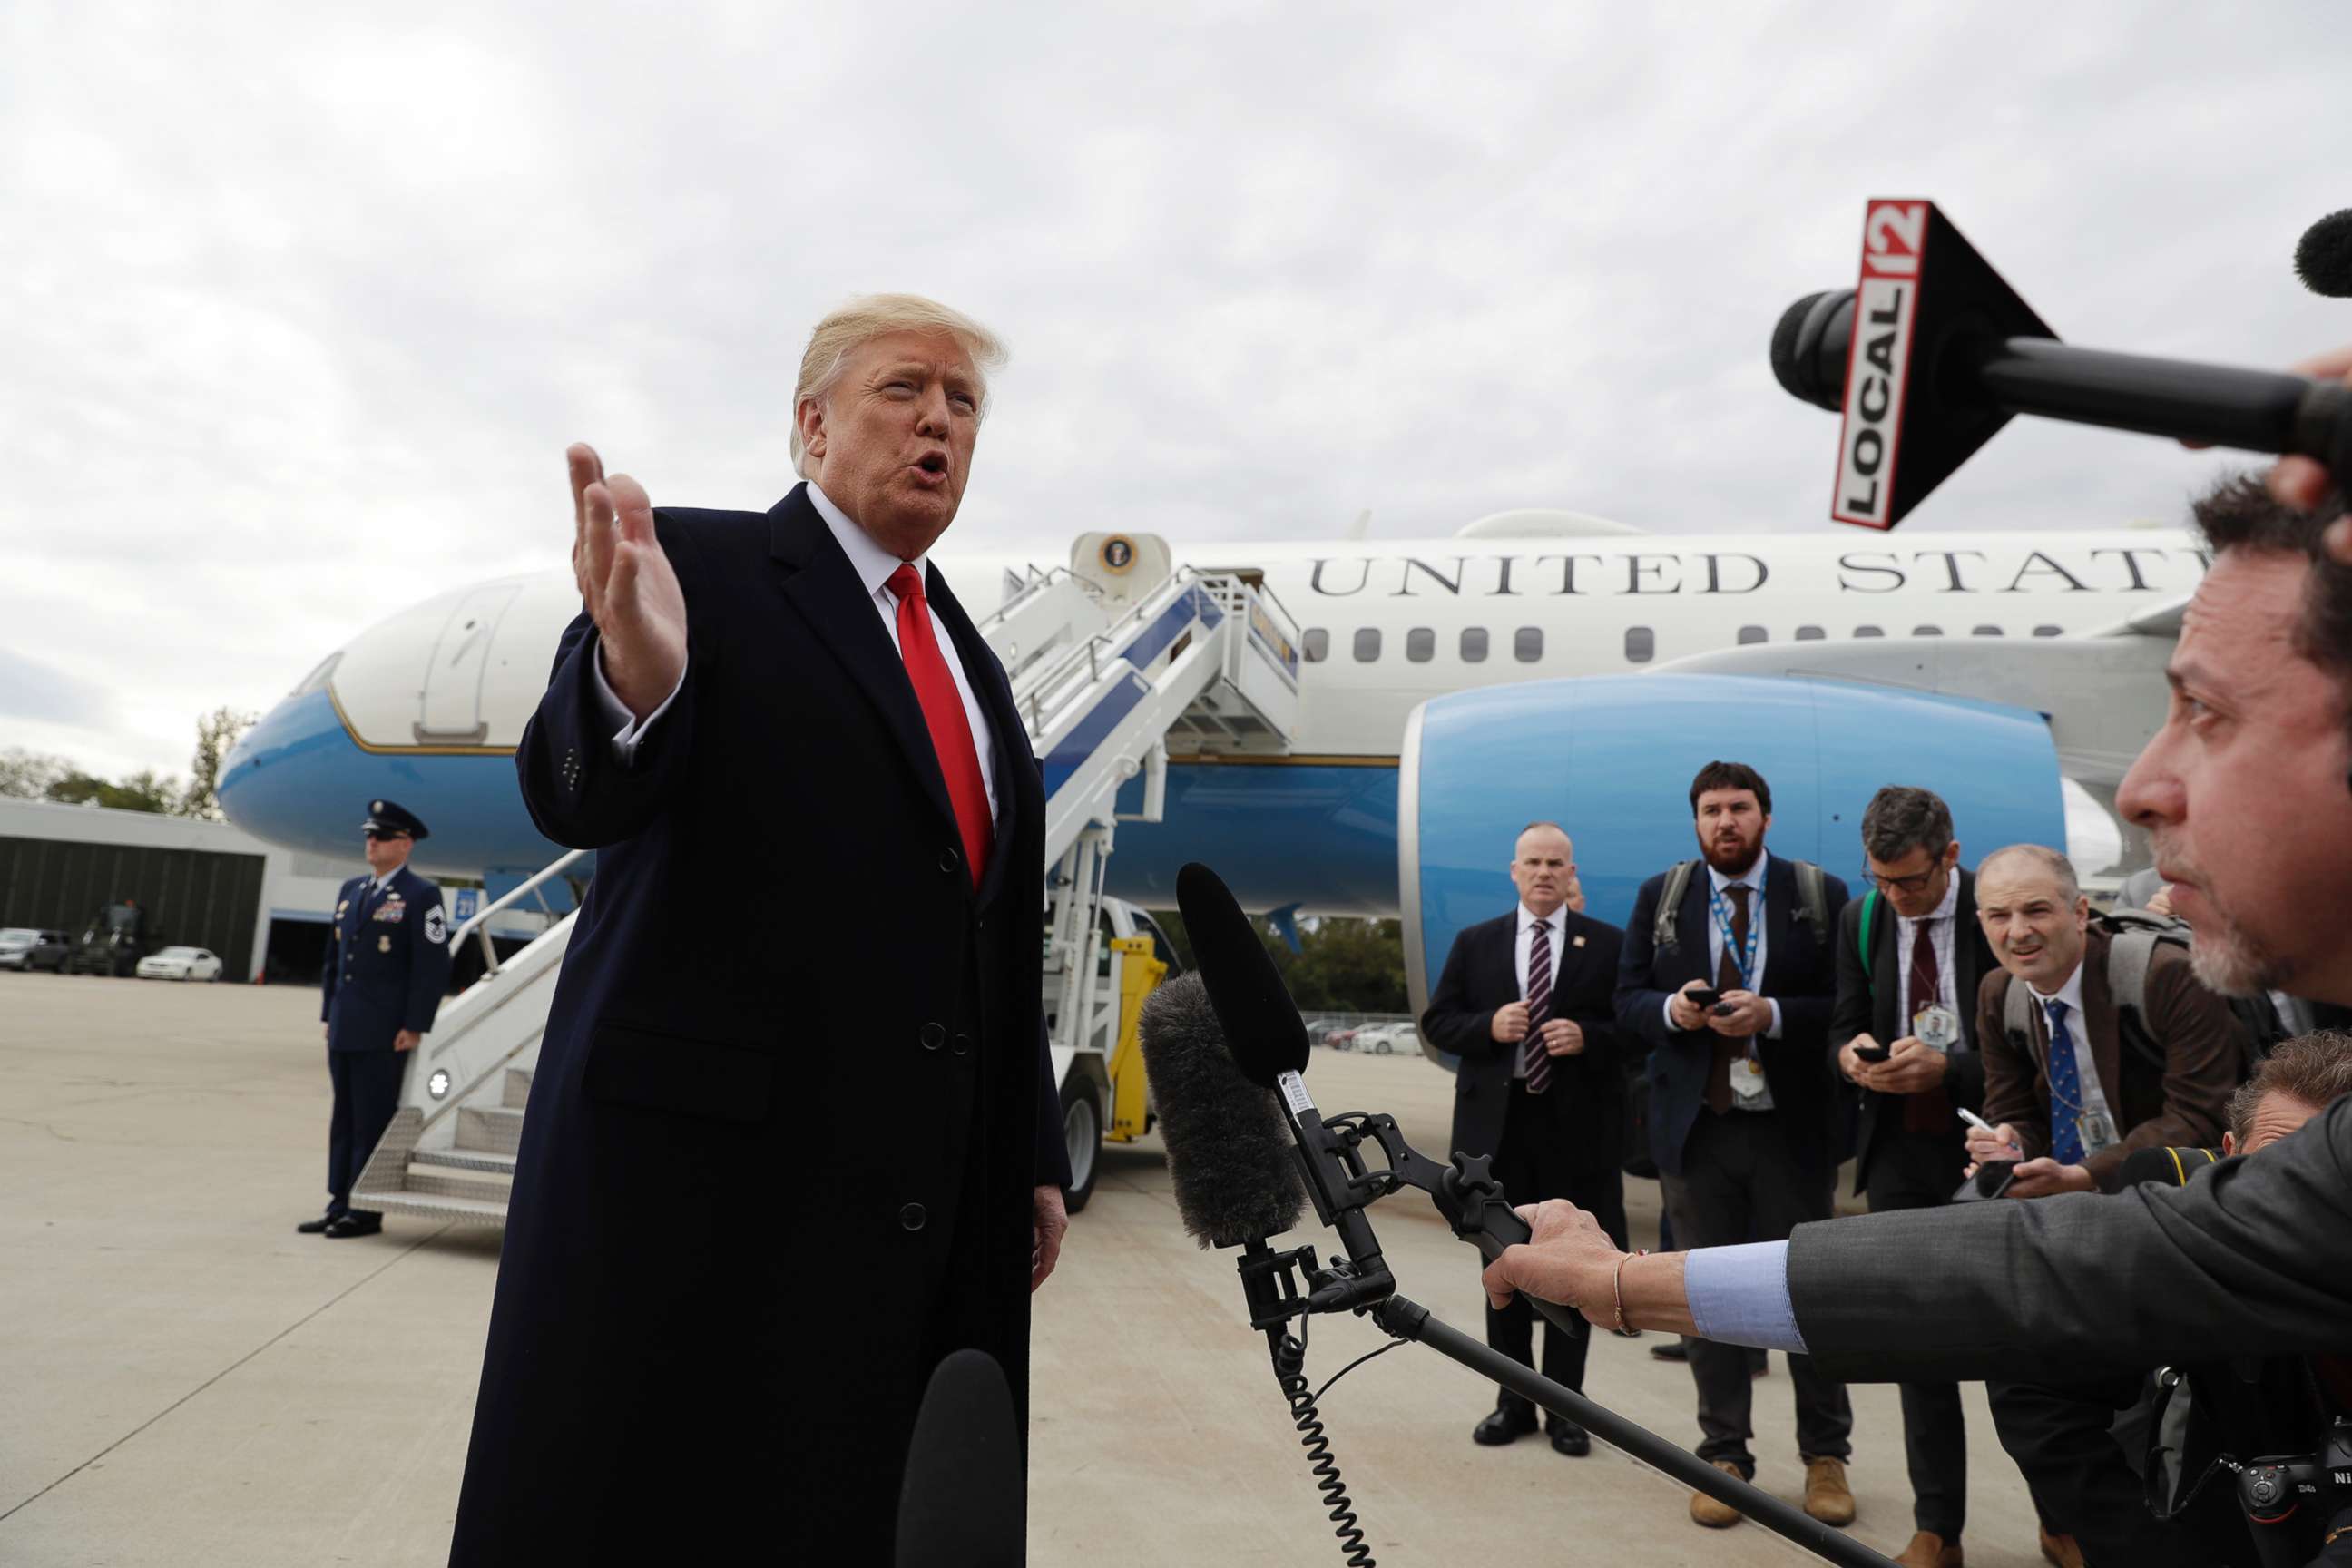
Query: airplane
(2016, 672)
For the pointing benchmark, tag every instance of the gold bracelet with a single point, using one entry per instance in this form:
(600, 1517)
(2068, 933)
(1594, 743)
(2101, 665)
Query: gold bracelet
(2341, 1530)
(1617, 1286)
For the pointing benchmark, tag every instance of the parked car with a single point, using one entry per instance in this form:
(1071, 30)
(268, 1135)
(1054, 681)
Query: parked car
(180, 964)
(1388, 1040)
(25, 947)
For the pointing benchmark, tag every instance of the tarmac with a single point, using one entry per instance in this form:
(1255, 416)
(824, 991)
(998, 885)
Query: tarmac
(187, 1382)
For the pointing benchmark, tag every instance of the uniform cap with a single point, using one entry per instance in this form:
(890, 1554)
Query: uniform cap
(391, 816)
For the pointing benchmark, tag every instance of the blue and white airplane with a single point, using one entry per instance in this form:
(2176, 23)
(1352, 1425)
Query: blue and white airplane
(1535, 665)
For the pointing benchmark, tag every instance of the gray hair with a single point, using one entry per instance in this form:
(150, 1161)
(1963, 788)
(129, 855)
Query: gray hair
(858, 321)
(2041, 855)
(2316, 1069)
(1900, 819)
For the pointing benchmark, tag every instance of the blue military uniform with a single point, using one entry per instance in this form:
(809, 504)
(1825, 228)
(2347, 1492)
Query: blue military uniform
(387, 968)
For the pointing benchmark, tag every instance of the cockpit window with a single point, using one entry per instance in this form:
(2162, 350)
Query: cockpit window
(317, 678)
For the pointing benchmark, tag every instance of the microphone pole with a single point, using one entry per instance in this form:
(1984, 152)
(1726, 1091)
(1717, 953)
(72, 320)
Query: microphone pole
(1409, 1320)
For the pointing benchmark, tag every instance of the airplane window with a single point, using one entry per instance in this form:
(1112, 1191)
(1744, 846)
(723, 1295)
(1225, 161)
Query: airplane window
(1474, 645)
(1420, 645)
(1316, 644)
(2049, 631)
(1527, 644)
(1869, 631)
(1811, 634)
(1986, 632)
(1927, 631)
(1754, 634)
(1641, 645)
(1368, 644)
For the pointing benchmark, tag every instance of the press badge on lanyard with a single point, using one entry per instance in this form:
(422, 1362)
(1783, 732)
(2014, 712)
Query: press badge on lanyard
(1749, 1088)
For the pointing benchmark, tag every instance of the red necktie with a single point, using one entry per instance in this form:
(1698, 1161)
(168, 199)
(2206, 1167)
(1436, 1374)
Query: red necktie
(951, 728)
(1930, 1110)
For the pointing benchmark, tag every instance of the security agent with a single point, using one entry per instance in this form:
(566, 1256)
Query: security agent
(386, 970)
(1525, 1002)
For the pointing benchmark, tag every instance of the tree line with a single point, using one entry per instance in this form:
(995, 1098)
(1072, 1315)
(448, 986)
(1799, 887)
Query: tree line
(36, 776)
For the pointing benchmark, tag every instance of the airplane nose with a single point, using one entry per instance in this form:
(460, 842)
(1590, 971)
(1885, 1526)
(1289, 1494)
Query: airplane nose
(283, 771)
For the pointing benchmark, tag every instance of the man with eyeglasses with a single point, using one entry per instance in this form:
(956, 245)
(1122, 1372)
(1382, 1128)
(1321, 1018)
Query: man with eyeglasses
(1910, 959)
(387, 966)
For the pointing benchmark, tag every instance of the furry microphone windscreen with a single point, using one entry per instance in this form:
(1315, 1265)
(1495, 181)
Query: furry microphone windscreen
(1228, 1150)
(2324, 258)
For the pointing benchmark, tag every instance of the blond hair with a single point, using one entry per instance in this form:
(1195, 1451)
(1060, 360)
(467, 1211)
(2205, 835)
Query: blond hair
(856, 322)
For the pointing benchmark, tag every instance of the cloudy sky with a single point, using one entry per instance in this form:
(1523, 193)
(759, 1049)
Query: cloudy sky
(299, 304)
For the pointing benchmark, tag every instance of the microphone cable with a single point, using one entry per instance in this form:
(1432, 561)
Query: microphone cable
(1289, 1371)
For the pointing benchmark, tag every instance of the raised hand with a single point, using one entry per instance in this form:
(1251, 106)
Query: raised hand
(627, 580)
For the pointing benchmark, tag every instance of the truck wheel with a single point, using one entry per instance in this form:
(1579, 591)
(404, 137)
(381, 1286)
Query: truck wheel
(1082, 1137)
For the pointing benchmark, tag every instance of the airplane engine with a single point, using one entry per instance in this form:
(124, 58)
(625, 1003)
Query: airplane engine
(1611, 759)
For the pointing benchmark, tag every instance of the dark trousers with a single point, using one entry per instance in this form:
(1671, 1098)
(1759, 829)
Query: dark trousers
(1739, 1183)
(1538, 1160)
(2082, 1486)
(367, 1091)
(1920, 1171)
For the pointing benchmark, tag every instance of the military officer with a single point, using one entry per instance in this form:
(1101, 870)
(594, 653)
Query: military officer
(386, 970)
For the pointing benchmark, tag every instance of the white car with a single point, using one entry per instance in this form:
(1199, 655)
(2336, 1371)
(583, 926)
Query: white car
(180, 964)
(1388, 1040)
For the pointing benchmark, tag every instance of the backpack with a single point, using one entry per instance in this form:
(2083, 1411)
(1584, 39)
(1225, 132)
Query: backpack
(2134, 935)
(1812, 903)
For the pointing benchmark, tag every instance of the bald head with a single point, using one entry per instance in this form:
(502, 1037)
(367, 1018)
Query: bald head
(1543, 868)
(2033, 912)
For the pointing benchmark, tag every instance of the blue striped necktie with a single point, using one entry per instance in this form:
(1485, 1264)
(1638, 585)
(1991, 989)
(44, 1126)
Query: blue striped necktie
(1534, 1060)
(2065, 1089)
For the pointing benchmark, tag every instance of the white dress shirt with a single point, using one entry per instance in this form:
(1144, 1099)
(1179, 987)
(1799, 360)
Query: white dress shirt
(1941, 936)
(2086, 1066)
(874, 566)
(1523, 951)
(1714, 936)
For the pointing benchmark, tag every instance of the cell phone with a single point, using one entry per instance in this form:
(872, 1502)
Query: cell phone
(1993, 1177)
(1703, 998)
(1872, 1053)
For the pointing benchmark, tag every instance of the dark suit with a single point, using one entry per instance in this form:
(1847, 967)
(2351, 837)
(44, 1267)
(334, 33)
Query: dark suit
(1903, 1168)
(1737, 1175)
(2183, 1101)
(387, 966)
(794, 1096)
(1565, 1142)
(2242, 1257)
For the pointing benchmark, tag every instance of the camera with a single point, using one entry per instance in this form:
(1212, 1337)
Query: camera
(2289, 1499)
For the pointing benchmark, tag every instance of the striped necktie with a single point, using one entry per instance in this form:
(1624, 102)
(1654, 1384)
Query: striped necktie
(1534, 1059)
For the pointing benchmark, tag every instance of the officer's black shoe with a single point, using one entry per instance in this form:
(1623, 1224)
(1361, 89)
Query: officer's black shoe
(1573, 1441)
(1672, 1349)
(355, 1224)
(314, 1226)
(1506, 1424)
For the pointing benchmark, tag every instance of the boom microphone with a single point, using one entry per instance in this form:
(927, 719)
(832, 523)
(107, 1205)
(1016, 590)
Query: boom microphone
(1262, 1026)
(1933, 353)
(961, 1503)
(2323, 258)
(1229, 1157)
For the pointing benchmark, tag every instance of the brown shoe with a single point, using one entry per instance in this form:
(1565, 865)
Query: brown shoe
(1716, 1515)
(1929, 1550)
(2059, 1550)
(1826, 1497)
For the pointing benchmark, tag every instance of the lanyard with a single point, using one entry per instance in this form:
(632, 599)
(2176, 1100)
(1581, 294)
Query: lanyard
(1742, 958)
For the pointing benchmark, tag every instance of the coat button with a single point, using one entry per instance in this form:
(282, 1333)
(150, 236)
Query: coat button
(963, 1045)
(949, 862)
(933, 1036)
(912, 1216)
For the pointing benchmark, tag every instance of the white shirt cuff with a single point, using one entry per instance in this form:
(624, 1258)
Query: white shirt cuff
(632, 729)
(1774, 1032)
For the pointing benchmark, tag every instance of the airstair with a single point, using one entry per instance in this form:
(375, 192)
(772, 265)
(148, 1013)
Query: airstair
(1109, 657)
